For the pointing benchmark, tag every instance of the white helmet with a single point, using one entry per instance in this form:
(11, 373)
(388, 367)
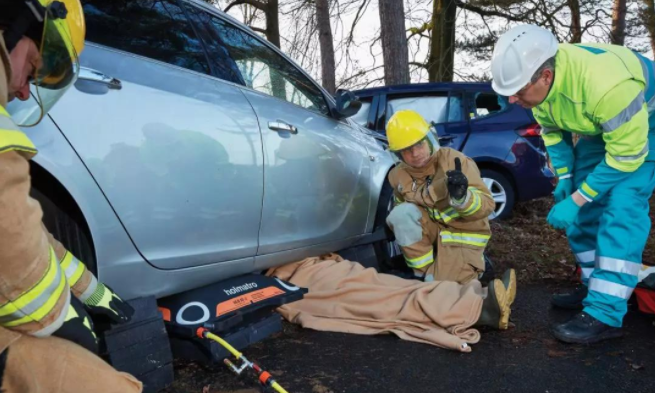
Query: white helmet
(518, 54)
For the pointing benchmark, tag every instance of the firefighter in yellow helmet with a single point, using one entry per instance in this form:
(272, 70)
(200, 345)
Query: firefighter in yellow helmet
(440, 200)
(44, 290)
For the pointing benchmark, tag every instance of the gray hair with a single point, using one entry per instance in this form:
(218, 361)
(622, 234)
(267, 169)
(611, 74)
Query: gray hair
(548, 65)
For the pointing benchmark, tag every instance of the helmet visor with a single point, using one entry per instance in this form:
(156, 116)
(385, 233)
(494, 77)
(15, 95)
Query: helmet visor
(57, 72)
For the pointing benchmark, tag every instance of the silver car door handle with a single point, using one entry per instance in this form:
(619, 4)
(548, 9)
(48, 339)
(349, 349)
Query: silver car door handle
(279, 126)
(89, 74)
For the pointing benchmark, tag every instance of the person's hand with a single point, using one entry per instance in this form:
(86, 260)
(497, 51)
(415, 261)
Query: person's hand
(78, 327)
(563, 190)
(457, 182)
(105, 302)
(563, 214)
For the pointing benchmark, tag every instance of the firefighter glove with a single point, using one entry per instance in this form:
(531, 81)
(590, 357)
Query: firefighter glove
(78, 327)
(457, 182)
(105, 302)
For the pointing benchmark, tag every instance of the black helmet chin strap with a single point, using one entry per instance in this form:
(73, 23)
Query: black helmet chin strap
(26, 20)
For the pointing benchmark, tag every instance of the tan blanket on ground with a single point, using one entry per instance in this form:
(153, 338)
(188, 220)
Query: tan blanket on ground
(346, 297)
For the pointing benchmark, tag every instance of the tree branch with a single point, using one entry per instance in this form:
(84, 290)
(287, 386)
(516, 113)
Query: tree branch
(255, 3)
(358, 16)
(417, 64)
(482, 12)
(257, 29)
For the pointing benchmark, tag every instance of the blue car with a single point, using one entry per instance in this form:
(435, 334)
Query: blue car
(502, 138)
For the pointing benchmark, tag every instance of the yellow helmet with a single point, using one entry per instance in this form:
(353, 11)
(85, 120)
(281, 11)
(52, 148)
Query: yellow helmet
(62, 42)
(58, 29)
(405, 129)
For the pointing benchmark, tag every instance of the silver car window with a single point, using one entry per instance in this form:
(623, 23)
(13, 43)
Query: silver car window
(264, 70)
(155, 29)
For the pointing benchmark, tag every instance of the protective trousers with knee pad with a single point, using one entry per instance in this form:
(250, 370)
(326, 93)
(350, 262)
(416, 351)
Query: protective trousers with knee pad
(417, 234)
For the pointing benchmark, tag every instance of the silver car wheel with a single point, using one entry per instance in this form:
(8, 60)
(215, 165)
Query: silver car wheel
(498, 193)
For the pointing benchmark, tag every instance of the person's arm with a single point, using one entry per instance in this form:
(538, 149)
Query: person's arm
(478, 202)
(34, 293)
(559, 145)
(623, 116)
(97, 297)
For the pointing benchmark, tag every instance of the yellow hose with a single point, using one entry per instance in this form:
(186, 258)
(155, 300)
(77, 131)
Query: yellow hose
(278, 388)
(225, 344)
(239, 355)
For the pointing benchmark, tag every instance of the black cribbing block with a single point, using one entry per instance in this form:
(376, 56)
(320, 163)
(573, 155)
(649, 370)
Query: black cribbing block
(141, 346)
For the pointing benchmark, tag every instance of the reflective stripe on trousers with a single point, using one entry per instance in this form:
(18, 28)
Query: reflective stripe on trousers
(586, 260)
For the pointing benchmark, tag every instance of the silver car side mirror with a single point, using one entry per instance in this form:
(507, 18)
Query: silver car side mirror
(347, 104)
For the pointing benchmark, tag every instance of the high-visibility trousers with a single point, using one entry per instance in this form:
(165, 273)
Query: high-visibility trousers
(609, 234)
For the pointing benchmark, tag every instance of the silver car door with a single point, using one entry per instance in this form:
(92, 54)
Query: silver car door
(316, 168)
(177, 152)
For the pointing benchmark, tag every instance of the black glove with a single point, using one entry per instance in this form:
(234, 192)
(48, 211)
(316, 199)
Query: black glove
(106, 303)
(457, 184)
(78, 327)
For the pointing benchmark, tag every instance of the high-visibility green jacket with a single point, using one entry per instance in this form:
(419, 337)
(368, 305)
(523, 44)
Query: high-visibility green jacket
(604, 91)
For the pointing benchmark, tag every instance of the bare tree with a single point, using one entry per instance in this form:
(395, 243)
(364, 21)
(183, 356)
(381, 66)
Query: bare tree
(270, 8)
(648, 18)
(442, 43)
(327, 45)
(617, 35)
(576, 25)
(394, 42)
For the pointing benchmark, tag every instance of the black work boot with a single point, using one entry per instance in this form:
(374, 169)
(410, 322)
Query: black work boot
(585, 329)
(496, 307)
(572, 300)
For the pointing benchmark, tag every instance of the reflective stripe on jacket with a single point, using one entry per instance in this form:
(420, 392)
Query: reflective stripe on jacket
(12, 138)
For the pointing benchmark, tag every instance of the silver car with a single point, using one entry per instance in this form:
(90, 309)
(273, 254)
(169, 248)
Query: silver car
(191, 150)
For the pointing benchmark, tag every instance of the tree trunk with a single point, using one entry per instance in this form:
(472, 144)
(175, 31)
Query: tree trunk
(327, 45)
(442, 41)
(648, 17)
(576, 26)
(394, 42)
(617, 35)
(273, 22)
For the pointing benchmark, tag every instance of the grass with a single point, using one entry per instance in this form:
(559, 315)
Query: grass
(528, 244)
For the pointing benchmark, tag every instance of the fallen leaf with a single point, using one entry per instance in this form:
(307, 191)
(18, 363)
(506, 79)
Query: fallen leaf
(206, 389)
(636, 366)
(556, 354)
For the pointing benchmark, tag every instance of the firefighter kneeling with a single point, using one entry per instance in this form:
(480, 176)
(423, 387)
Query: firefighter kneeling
(440, 198)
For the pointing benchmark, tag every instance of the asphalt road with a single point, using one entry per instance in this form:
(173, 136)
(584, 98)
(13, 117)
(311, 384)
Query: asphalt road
(523, 359)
